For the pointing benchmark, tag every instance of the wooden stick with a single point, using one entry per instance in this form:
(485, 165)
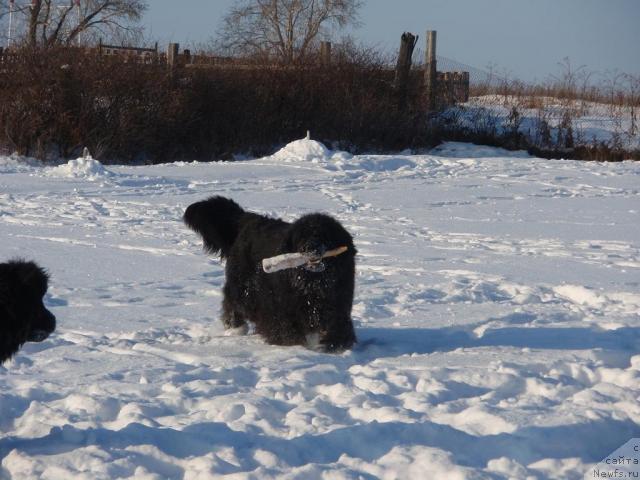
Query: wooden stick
(335, 252)
(293, 260)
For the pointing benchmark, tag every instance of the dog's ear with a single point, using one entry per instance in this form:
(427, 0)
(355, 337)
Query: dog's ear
(217, 221)
(13, 332)
(294, 239)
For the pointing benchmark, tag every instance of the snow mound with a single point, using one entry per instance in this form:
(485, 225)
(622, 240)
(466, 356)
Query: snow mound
(468, 150)
(311, 151)
(17, 164)
(303, 150)
(83, 167)
(386, 164)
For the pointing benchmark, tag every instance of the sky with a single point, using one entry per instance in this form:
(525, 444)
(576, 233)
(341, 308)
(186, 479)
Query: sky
(524, 39)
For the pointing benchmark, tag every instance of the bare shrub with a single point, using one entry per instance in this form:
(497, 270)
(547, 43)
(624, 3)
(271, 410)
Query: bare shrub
(54, 104)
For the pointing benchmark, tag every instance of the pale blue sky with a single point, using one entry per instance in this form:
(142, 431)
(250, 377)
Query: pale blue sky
(526, 38)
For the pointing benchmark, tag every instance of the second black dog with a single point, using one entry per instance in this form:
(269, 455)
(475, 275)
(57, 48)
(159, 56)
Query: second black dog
(23, 316)
(308, 305)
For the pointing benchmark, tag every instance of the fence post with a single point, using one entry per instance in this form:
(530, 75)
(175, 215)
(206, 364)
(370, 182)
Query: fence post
(325, 53)
(465, 86)
(172, 55)
(403, 67)
(431, 80)
(446, 88)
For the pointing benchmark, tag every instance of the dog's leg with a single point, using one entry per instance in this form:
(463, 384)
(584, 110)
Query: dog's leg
(340, 336)
(234, 322)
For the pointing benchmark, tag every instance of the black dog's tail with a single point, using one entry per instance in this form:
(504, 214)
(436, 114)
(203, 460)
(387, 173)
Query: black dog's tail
(217, 220)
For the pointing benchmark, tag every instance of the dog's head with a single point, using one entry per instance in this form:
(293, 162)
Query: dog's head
(23, 316)
(316, 234)
(325, 286)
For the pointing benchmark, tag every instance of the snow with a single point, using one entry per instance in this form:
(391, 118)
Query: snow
(16, 163)
(84, 167)
(497, 309)
(303, 150)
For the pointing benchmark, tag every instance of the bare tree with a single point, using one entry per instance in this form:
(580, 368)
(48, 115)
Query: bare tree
(64, 22)
(284, 29)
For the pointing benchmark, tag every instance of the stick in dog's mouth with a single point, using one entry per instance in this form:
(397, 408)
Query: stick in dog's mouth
(293, 260)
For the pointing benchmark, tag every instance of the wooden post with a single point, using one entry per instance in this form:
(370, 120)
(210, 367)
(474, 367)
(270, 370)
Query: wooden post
(446, 88)
(465, 86)
(172, 55)
(431, 80)
(403, 67)
(325, 53)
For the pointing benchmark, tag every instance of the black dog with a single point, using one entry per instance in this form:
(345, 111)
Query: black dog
(23, 316)
(308, 305)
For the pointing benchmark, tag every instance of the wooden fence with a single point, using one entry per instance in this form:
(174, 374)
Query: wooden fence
(442, 89)
(453, 87)
(137, 54)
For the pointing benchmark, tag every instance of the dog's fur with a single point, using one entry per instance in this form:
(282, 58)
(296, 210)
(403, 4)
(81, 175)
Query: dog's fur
(23, 316)
(298, 306)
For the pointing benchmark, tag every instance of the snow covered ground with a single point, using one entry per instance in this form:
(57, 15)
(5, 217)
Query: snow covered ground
(497, 307)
